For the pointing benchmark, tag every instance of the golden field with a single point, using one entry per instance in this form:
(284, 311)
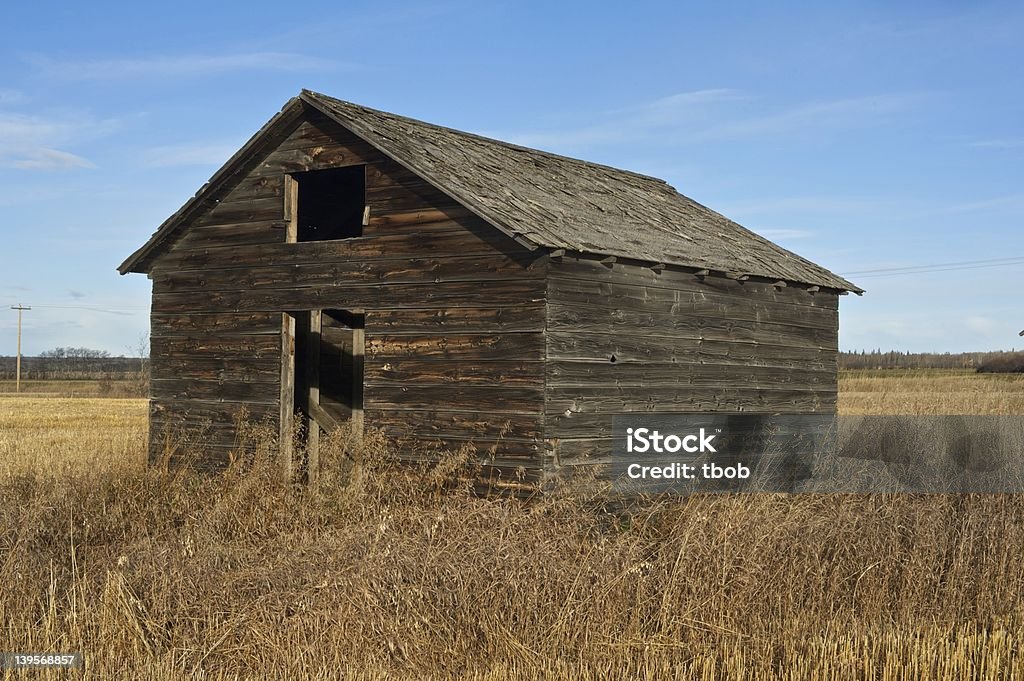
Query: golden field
(930, 391)
(386, 573)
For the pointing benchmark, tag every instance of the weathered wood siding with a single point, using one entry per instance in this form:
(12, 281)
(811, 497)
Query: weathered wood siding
(454, 310)
(624, 338)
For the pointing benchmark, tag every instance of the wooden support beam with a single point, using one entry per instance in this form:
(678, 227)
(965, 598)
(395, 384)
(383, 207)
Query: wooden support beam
(287, 396)
(608, 259)
(813, 289)
(358, 367)
(319, 415)
(658, 267)
(291, 209)
(312, 462)
(557, 253)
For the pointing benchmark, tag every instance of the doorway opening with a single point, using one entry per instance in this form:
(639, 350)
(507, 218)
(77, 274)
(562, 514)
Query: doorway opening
(321, 379)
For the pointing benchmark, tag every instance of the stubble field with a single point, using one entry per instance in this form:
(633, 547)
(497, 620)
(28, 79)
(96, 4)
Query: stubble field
(382, 573)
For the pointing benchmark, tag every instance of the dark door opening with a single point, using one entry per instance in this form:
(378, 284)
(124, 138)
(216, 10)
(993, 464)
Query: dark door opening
(322, 376)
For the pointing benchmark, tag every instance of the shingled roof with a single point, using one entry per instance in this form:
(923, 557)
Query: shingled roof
(544, 200)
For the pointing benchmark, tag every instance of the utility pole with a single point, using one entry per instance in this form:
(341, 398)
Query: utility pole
(17, 381)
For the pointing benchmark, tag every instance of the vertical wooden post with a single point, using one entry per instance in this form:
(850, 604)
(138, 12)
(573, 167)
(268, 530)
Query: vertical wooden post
(287, 397)
(17, 372)
(313, 382)
(358, 353)
(291, 209)
(287, 413)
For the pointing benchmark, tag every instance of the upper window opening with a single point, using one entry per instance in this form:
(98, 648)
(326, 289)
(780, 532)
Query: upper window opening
(331, 203)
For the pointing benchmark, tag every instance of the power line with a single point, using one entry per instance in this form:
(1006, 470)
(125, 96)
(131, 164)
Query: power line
(92, 308)
(939, 267)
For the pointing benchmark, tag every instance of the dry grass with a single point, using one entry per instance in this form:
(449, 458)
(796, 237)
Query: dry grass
(930, 391)
(61, 435)
(74, 388)
(385, 573)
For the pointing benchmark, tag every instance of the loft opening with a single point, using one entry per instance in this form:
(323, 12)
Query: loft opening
(331, 203)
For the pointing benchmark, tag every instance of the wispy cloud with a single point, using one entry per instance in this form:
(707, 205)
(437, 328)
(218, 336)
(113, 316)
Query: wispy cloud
(77, 295)
(720, 114)
(189, 154)
(630, 123)
(808, 117)
(51, 159)
(32, 142)
(177, 66)
(1005, 143)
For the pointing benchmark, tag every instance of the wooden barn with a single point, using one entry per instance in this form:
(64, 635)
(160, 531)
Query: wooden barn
(348, 264)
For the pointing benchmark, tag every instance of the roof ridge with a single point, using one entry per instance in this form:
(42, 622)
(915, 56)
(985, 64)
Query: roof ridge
(485, 138)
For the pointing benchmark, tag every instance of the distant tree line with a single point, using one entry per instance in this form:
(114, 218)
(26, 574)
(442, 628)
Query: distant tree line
(74, 364)
(1001, 361)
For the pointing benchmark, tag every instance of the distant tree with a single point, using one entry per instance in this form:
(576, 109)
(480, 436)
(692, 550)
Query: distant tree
(75, 353)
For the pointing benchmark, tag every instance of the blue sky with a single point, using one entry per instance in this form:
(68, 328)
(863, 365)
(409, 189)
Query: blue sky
(863, 136)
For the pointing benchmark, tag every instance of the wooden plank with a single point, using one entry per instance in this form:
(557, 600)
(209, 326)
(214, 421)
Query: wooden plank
(291, 209)
(317, 131)
(286, 398)
(216, 369)
(464, 347)
(389, 173)
(358, 370)
(488, 267)
(457, 320)
(652, 375)
(457, 241)
(212, 410)
(263, 392)
(401, 197)
(603, 347)
(392, 296)
(593, 269)
(320, 157)
(322, 418)
(382, 218)
(685, 303)
(473, 424)
(246, 323)
(602, 319)
(230, 212)
(455, 371)
(312, 462)
(257, 187)
(223, 346)
(231, 234)
(495, 399)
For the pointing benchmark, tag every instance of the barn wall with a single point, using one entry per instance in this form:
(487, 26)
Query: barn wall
(454, 310)
(679, 345)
